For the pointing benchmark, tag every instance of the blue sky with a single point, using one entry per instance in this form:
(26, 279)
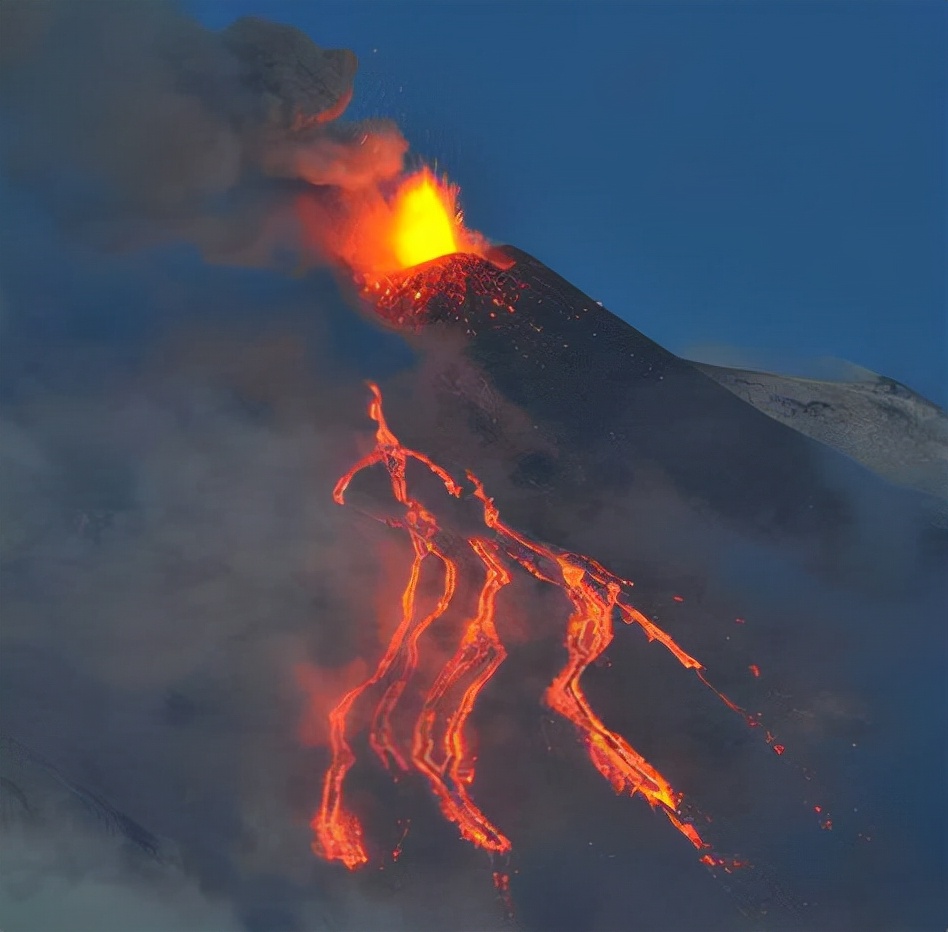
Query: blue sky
(766, 177)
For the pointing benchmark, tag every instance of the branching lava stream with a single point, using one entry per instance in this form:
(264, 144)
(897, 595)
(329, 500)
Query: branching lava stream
(439, 747)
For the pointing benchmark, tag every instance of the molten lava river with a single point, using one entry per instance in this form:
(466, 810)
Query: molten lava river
(439, 747)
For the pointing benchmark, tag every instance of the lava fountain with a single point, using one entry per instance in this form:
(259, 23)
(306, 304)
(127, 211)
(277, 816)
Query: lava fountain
(427, 222)
(379, 233)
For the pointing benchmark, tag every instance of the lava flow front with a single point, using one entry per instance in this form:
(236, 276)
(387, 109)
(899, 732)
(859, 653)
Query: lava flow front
(440, 745)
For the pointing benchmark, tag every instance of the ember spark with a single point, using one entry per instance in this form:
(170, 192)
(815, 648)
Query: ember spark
(440, 748)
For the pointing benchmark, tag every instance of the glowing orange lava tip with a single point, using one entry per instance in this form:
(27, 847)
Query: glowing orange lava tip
(439, 748)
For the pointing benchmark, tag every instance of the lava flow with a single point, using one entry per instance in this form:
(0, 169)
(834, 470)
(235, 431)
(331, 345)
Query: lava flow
(440, 747)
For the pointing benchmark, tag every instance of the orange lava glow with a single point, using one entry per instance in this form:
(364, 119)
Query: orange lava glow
(426, 220)
(440, 746)
(378, 235)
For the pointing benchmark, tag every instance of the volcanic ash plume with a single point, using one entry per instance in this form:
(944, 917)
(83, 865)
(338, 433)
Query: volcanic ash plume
(135, 121)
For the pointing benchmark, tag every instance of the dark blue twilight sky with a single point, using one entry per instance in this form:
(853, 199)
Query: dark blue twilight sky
(768, 178)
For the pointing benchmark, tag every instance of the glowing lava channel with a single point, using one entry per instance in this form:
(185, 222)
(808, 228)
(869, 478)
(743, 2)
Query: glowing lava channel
(439, 750)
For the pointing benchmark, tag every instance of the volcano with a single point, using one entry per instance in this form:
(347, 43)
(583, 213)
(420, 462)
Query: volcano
(609, 452)
(616, 402)
(309, 622)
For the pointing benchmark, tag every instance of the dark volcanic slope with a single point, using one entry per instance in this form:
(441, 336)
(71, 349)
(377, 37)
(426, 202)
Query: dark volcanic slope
(594, 438)
(606, 390)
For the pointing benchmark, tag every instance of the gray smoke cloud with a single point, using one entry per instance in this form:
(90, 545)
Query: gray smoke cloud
(134, 121)
(169, 436)
(170, 555)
